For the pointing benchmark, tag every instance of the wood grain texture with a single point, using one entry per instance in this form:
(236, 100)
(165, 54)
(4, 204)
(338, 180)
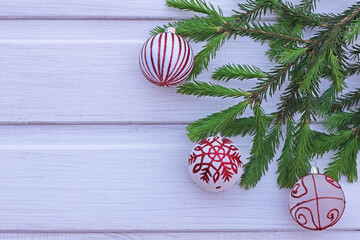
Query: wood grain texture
(85, 78)
(120, 172)
(87, 71)
(130, 178)
(302, 235)
(124, 9)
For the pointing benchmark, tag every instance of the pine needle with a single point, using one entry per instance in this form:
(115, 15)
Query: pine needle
(301, 67)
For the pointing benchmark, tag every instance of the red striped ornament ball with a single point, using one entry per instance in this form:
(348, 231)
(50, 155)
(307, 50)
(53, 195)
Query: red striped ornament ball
(166, 59)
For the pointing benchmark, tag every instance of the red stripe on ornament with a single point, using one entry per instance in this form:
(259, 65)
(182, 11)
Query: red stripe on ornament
(186, 64)
(178, 58)
(171, 56)
(186, 58)
(143, 64)
(153, 78)
(191, 64)
(186, 74)
(173, 77)
(189, 67)
(158, 59)
(163, 59)
(152, 58)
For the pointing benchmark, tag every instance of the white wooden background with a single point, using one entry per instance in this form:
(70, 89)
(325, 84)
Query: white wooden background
(90, 150)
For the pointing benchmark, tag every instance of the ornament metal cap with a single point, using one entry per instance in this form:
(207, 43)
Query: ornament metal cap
(170, 30)
(314, 170)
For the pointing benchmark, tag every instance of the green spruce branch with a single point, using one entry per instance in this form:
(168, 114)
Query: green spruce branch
(202, 89)
(198, 6)
(302, 66)
(292, 15)
(240, 72)
(262, 32)
(252, 10)
(308, 5)
(346, 101)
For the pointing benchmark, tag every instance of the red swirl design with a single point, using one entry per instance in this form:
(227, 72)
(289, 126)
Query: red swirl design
(309, 207)
(294, 191)
(301, 219)
(334, 216)
(332, 181)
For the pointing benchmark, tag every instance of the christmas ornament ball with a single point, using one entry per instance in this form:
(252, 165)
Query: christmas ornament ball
(214, 164)
(316, 202)
(166, 59)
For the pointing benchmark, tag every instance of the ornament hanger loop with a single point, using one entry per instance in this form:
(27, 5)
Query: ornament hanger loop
(170, 30)
(314, 168)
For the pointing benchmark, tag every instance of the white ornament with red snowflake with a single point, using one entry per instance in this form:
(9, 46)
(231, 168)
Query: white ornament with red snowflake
(214, 164)
(166, 59)
(317, 202)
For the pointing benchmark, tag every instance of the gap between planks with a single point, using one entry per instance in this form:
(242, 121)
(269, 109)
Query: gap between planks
(15, 123)
(285, 235)
(95, 123)
(107, 18)
(175, 231)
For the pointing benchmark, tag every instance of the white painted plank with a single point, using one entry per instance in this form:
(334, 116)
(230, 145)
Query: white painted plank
(124, 9)
(302, 235)
(77, 79)
(87, 71)
(129, 178)
(93, 30)
(89, 82)
(108, 9)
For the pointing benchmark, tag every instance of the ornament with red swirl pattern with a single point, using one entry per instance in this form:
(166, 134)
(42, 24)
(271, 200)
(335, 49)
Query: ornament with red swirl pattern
(316, 201)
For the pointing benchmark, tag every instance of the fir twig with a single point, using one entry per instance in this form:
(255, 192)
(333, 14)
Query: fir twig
(346, 101)
(305, 63)
(299, 165)
(240, 72)
(253, 9)
(201, 89)
(216, 122)
(345, 161)
(285, 179)
(297, 15)
(262, 152)
(274, 80)
(308, 4)
(323, 143)
(195, 29)
(208, 52)
(198, 6)
(243, 126)
(263, 32)
(354, 31)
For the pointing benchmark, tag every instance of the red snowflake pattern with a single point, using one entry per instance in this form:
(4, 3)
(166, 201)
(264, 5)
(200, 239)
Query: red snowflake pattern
(219, 157)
